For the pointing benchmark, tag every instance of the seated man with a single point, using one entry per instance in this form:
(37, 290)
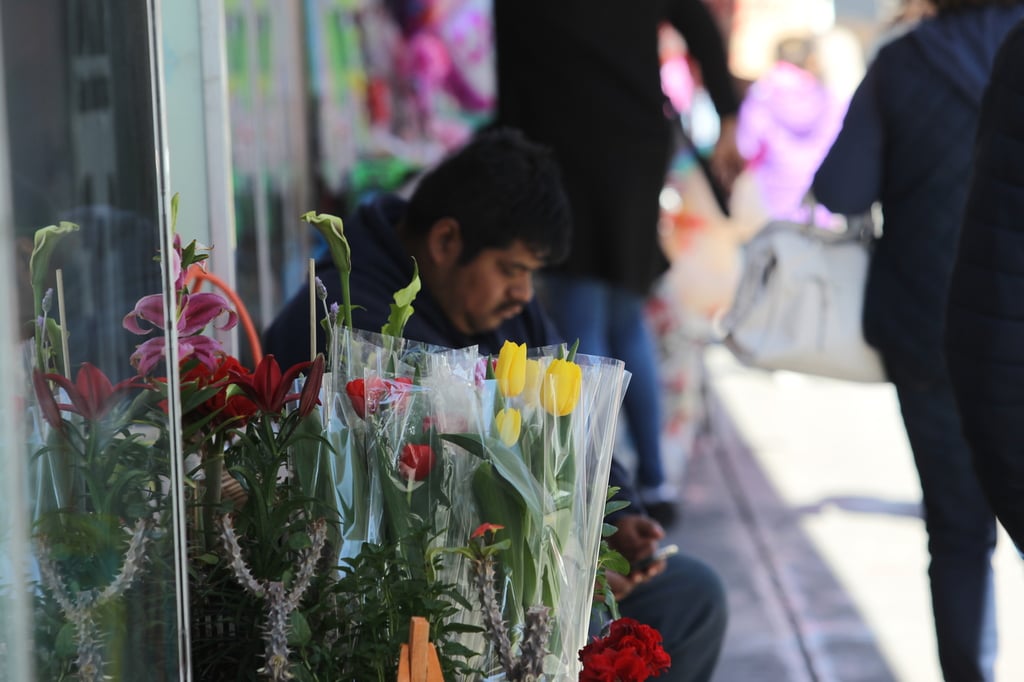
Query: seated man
(479, 225)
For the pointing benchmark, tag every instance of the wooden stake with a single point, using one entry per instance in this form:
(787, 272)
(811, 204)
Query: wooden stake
(312, 309)
(63, 324)
(403, 664)
(419, 639)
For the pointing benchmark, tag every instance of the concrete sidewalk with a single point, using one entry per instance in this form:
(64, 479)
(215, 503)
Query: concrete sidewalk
(801, 493)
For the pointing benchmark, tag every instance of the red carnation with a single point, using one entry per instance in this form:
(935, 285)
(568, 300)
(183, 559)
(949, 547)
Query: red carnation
(631, 652)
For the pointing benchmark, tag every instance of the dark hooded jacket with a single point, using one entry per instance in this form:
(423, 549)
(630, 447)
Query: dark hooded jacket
(985, 320)
(906, 142)
(380, 267)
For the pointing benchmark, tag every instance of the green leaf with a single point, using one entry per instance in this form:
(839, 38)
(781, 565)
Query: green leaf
(508, 464)
(614, 561)
(299, 632)
(299, 541)
(65, 645)
(401, 309)
(615, 506)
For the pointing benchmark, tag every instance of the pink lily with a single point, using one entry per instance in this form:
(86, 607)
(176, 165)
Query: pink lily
(195, 311)
(148, 354)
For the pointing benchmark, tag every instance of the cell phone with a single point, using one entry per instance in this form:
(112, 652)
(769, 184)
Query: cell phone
(660, 554)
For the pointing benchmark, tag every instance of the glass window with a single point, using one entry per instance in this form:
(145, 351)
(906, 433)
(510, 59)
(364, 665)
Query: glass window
(100, 500)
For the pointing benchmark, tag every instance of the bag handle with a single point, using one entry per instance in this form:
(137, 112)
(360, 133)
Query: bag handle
(858, 227)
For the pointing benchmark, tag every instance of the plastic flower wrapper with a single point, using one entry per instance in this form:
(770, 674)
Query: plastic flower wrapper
(388, 392)
(546, 455)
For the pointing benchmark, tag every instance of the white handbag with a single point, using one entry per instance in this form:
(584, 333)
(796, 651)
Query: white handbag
(799, 303)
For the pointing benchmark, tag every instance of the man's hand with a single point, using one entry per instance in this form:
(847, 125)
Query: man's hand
(636, 539)
(726, 161)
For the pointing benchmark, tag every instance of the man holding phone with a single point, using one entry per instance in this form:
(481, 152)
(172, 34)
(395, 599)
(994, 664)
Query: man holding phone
(478, 226)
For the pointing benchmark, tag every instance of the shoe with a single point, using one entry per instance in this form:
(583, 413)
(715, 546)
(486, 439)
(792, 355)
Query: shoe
(661, 503)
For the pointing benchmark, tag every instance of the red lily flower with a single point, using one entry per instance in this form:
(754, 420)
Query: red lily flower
(228, 408)
(91, 394)
(416, 461)
(268, 388)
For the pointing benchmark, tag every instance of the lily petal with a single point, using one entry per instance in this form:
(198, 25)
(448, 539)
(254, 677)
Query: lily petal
(206, 350)
(47, 403)
(95, 390)
(148, 354)
(310, 396)
(199, 310)
(149, 309)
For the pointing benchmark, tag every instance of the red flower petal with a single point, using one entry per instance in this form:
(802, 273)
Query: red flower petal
(416, 461)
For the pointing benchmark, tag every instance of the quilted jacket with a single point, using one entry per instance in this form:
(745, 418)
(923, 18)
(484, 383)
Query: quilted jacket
(907, 143)
(985, 318)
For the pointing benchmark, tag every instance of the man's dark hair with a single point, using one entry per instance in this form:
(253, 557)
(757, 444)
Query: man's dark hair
(501, 188)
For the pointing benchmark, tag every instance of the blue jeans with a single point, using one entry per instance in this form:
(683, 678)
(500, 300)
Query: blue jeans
(687, 604)
(961, 534)
(609, 321)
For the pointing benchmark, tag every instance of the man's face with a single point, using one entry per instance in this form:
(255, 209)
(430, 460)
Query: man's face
(478, 296)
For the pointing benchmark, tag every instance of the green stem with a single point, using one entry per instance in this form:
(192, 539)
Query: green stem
(346, 298)
(213, 470)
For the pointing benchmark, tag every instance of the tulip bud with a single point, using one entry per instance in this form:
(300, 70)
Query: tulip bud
(561, 388)
(510, 370)
(508, 422)
(416, 461)
(531, 387)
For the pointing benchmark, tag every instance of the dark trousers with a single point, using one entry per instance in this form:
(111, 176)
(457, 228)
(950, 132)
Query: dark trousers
(961, 534)
(687, 604)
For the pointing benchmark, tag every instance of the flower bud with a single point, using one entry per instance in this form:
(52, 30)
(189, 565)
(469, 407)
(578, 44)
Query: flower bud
(531, 388)
(560, 390)
(416, 461)
(508, 422)
(510, 370)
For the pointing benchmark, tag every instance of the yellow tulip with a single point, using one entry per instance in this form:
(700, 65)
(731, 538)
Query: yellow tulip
(531, 388)
(561, 389)
(511, 369)
(508, 422)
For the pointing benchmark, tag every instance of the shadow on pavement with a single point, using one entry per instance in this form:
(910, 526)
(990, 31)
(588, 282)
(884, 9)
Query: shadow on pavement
(790, 619)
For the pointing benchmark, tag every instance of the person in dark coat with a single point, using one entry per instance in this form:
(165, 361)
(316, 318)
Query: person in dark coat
(984, 332)
(479, 225)
(906, 143)
(584, 79)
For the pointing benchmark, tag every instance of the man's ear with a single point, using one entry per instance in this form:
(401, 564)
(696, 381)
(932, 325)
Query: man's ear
(444, 242)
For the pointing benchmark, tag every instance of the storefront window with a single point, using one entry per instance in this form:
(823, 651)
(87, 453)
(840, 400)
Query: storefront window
(99, 479)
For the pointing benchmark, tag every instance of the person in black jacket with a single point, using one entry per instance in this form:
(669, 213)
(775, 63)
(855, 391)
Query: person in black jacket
(479, 226)
(906, 143)
(984, 329)
(583, 78)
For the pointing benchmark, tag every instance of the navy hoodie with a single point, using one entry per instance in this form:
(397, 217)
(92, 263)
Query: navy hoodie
(906, 142)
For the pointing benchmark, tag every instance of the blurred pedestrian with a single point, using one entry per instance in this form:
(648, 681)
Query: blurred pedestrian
(906, 142)
(984, 335)
(787, 122)
(584, 79)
